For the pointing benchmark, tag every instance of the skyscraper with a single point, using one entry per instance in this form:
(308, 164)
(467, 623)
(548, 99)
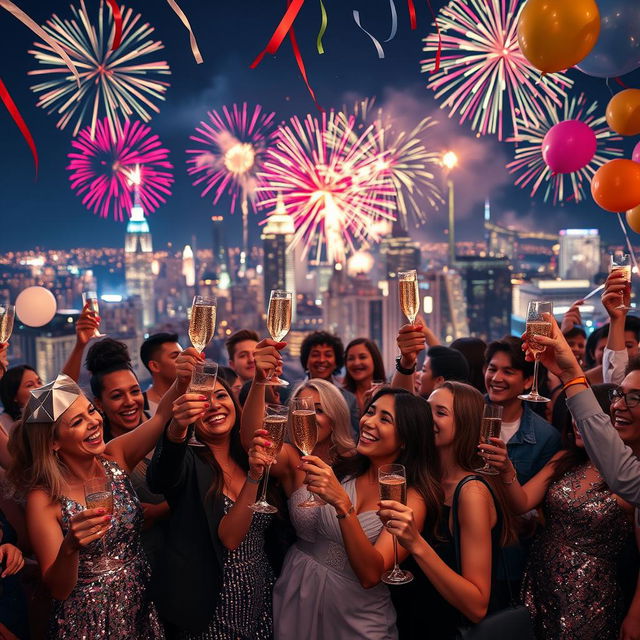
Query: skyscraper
(188, 266)
(278, 261)
(138, 250)
(579, 253)
(487, 287)
(443, 304)
(220, 257)
(401, 252)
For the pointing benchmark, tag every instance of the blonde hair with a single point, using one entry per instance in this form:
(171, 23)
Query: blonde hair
(335, 406)
(34, 464)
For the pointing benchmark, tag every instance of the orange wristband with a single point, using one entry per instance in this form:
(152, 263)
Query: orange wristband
(578, 380)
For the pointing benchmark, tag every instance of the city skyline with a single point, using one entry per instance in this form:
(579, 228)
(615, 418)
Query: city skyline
(348, 70)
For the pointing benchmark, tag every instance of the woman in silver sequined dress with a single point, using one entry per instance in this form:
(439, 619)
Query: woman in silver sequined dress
(56, 448)
(215, 580)
(571, 585)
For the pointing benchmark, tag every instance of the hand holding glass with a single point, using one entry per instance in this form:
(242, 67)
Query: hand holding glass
(203, 380)
(91, 298)
(202, 322)
(409, 294)
(490, 428)
(538, 324)
(392, 481)
(98, 494)
(278, 324)
(304, 431)
(621, 262)
(7, 314)
(275, 421)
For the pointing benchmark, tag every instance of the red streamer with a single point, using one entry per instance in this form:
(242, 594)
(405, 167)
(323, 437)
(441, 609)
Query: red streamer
(284, 27)
(622, 84)
(19, 120)
(439, 52)
(412, 14)
(303, 71)
(117, 19)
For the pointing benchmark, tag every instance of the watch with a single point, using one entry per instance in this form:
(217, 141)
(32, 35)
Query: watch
(403, 370)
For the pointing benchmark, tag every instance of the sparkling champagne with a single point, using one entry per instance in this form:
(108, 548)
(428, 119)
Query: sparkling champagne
(100, 499)
(275, 426)
(6, 323)
(279, 317)
(93, 305)
(305, 430)
(625, 271)
(393, 487)
(490, 428)
(202, 325)
(409, 298)
(540, 328)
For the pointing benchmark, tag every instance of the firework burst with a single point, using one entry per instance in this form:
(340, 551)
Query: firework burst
(106, 169)
(332, 181)
(114, 84)
(483, 73)
(410, 164)
(233, 146)
(531, 167)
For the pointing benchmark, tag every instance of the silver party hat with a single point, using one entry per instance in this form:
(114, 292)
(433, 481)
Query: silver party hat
(49, 402)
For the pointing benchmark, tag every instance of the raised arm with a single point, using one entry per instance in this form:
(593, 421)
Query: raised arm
(131, 447)
(617, 463)
(411, 341)
(615, 358)
(267, 358)
(86, 326)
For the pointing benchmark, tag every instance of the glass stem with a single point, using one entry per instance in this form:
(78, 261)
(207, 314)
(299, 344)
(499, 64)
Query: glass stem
(534, 386)
(395, 554)
(263, 497)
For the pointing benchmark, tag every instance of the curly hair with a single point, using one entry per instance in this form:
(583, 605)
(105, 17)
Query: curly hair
(318, 338)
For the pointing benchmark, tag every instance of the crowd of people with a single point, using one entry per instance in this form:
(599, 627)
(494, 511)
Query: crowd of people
(170, 545)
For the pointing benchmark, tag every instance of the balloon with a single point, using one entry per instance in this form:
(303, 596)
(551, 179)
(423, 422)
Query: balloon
(618, 48)
(633, 218)
(616, 185)
(569, 146)
(623, 112)
(636, 153)
(36, 306)
(555, 35)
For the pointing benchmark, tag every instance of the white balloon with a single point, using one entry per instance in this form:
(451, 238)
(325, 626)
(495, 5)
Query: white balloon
(35, 306)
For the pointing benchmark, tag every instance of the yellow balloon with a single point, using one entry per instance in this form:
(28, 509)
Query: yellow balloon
(633, 218)
(623, 112)
(557, 34)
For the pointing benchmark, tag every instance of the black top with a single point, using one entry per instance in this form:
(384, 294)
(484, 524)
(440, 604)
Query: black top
(422, 611)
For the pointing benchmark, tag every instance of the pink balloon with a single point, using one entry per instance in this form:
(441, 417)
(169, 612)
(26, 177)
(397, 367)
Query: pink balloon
(636, 153)
(569, 146)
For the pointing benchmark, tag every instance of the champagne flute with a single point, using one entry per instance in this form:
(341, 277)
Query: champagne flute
(304, 428)
(278, 325)
(409, 296)
(275, 420)
(7, 314)
(621, 262)
(392, 481)
(490, 428)
(203, 381)
(98, 494)
(91, 298)
(537, 324)
(202, 322)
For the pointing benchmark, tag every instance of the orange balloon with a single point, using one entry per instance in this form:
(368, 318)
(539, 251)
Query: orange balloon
(623, 112)
(557, 34)
(633, 218)
(616, 185)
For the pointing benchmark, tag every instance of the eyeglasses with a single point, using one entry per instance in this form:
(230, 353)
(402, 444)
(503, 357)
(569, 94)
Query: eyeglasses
(631, 398)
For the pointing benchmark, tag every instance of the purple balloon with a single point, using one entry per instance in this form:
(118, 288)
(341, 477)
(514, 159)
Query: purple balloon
(569, 146)
(636, 153)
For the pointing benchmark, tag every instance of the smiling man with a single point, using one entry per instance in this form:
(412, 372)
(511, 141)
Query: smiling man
(531, 440)
(241, 346)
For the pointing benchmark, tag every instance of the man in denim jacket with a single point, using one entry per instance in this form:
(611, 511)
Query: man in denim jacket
(531, 440)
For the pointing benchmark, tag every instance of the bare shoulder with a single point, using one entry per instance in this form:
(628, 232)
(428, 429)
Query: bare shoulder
(40, 501)
(475, 500)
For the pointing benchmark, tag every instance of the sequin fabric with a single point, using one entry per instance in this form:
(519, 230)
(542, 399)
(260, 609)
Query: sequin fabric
(244, 609)
(570, 584)
(112, 604)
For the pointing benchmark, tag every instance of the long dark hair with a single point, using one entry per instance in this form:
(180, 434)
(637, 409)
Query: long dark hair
(473, 350)
(418, 454)
(468, 405)
(9, 386)
(236, 451)
(378, 365)
(575, 456)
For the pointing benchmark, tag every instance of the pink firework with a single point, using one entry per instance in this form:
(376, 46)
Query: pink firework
(232, 148)
(108, 168)
(483, 76)
(331, 180)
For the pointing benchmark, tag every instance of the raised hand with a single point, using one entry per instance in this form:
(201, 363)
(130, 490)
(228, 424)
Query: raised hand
(87, 325)
(185, 364)
(87, 526)
(399, 521)
(268, 359)
(496, 455)
(259, 459)
(572, 318)
(188, 408)
(322, 481)
(616, 287)
(411, 341)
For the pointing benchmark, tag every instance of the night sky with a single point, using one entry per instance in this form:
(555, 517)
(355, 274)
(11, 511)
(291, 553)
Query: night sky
(45, 212)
